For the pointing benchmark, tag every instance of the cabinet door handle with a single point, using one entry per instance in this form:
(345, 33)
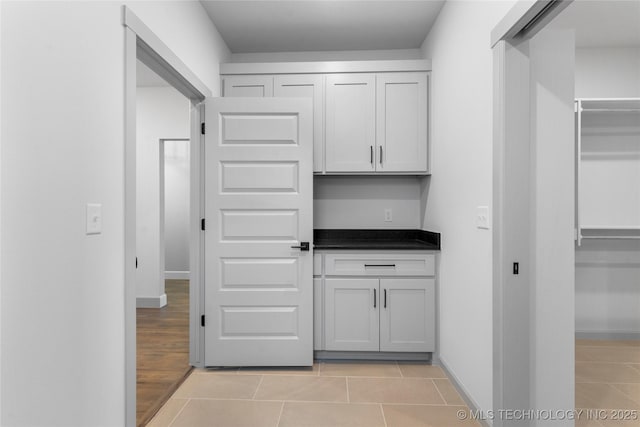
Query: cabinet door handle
(371, 154)
(385, 298)
(381, 154)
(374, 298)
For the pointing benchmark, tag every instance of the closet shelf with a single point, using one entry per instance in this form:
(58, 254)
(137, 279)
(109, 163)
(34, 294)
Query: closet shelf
(606, 189)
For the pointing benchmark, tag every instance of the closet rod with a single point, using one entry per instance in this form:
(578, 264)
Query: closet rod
(615, 110)
(610, 237)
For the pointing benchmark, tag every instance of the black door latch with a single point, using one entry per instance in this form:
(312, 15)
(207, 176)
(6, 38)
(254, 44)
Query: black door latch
(304, 246)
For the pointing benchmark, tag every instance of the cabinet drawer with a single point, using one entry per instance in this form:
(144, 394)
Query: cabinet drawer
(380, 265)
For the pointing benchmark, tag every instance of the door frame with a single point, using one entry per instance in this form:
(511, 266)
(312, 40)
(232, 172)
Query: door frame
(141, 43)
(513, 171)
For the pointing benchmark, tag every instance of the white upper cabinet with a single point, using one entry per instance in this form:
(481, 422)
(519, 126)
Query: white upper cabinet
(369, 117)
(401, 122)
(350, 123)
(306, 86)
(248, 86)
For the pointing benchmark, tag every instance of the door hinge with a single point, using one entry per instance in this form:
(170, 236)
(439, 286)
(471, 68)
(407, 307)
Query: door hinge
(202, 320)
(202, 224)
(202, 128)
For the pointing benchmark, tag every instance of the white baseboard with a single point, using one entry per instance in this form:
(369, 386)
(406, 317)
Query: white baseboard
(471, 403)
(151, 302)
(176, 275)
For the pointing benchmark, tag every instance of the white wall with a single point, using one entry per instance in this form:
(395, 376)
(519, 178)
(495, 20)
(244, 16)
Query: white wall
(462, 140)
(346, 55)
(176, 201)
(608, 72)
(360, 202)
(62, 147)
(608, 271)
(162, 112)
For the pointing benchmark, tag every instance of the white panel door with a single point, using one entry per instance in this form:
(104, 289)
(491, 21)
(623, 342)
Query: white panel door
(407, 315)
(351, 314)
(306, 86)
(401, 123)
(258, 206)
(247, 86)
(350, 123)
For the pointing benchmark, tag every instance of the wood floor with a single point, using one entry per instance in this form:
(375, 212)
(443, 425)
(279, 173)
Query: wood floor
(162, 350)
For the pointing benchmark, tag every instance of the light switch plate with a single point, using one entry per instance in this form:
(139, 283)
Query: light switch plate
(94, 218)
(482, 217)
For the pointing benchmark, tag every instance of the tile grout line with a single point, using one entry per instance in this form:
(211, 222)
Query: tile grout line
(632, 366)
(439, 392)
(337, 402)
(179, 412)
(627, 395)
(255, 393)
(346, 380)
(383, 416)
(280, 415)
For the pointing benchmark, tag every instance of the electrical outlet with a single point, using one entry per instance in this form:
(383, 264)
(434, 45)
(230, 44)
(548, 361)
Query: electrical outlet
(388, 215)
(482, 217)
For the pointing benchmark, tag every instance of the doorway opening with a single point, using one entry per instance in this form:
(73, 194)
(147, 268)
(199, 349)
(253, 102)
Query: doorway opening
(141, 44)
(162, 241)
(597, 296)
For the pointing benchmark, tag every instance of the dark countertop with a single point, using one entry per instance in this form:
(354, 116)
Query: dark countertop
(376, 239)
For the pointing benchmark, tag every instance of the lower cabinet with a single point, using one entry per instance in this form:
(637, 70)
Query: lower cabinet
(351, 314)
(407, 315)
(379, 314)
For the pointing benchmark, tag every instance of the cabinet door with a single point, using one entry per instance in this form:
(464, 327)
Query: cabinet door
(407, 315)
(401, 122)
(351, 314)
(318, 311)
(350, 123)
(307, 86)
(248, 86)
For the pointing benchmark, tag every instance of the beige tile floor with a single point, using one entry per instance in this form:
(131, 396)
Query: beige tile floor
(385, 394)
(608, 382)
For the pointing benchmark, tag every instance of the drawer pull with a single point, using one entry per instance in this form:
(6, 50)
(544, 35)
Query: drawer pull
(380, 265)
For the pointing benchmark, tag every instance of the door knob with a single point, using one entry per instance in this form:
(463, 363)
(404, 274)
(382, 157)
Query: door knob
(304, 246)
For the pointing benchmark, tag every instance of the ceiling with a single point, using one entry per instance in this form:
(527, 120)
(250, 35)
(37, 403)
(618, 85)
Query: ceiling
(249, 26)
(329, 25)
(603, 23)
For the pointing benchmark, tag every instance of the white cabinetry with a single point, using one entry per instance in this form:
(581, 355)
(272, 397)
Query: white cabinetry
(407, 315)
(350, 123)
(389, 308)
(401, 122)
(247, 86)
(306, 86)
(351, 314)
(370, 117)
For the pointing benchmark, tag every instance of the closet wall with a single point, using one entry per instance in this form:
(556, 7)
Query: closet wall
(608, 271)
